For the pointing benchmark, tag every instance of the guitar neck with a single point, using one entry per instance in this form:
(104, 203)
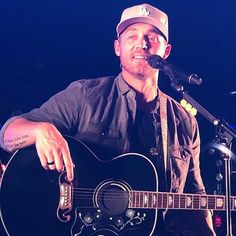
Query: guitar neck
(164, 200)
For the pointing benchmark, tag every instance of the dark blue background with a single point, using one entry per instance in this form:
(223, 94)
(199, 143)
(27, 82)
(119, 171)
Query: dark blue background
(46, 44)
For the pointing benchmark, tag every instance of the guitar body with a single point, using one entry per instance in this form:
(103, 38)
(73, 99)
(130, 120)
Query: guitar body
(43, 203)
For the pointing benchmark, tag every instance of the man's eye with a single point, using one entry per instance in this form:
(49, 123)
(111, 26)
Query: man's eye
(132, 36)
(153, 39)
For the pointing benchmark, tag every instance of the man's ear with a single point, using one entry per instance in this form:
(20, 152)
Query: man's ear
(167, 51)
(117, 47)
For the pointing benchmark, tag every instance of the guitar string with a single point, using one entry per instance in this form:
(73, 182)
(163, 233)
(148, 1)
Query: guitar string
(180, 196)
(139, 203)
(80, 189)
(180, 202)
(176, 196)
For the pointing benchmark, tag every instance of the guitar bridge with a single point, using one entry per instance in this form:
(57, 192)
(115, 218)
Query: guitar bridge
(65, 201)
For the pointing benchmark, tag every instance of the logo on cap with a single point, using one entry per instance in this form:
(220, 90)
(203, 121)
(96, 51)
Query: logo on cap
(144, 11)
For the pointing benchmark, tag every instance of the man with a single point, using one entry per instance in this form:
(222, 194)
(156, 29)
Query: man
(123, 114)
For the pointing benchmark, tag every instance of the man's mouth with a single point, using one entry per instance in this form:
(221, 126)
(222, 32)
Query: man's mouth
(140, 57)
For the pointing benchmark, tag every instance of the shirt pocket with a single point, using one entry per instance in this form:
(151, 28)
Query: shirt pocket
(179, 159)
(183, 153)
(103, 131)
(105, 142)
(179, 163)
(95, 130)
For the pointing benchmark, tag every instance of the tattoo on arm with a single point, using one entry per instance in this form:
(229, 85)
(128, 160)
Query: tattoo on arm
(16, 142)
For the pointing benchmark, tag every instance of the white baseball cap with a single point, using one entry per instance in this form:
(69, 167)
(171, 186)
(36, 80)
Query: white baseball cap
(144, 13)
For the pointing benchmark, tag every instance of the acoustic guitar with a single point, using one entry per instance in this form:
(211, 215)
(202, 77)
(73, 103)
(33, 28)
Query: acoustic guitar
(115, 197)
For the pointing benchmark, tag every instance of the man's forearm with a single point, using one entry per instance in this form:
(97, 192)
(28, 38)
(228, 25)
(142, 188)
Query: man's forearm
(16, 142)
(19, 133)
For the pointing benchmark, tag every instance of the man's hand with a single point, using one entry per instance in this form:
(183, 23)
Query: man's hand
(53, 150)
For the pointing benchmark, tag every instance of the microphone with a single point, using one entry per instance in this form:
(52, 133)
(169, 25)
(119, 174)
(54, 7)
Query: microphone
(231, 93)
(158, 62)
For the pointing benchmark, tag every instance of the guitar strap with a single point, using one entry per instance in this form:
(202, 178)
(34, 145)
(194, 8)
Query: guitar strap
(164, 129)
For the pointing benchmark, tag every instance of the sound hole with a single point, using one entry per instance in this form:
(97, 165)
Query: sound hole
(112, 198)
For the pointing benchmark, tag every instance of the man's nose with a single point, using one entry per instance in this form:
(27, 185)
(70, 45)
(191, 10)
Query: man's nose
(143, 44)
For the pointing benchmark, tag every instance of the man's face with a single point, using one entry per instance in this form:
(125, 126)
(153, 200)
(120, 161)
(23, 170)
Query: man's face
(136, 43)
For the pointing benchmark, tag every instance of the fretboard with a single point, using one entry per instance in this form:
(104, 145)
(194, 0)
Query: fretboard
(161, 200)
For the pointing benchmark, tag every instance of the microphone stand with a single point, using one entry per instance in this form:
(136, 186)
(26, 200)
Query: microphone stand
(224, 136)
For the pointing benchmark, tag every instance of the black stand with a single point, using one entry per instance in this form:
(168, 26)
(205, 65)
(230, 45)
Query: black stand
(222, 142)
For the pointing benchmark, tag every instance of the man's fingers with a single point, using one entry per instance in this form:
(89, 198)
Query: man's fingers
(56, 155)
(69, 165)
(43, 159)
(58, 159)
(50, 158)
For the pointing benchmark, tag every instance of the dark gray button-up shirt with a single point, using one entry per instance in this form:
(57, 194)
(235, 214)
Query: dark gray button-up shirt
(101, 112)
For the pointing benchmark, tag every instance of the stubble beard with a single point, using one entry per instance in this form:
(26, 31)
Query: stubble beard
(141, 71)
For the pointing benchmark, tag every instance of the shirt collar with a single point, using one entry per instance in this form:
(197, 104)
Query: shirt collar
(123, 87)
